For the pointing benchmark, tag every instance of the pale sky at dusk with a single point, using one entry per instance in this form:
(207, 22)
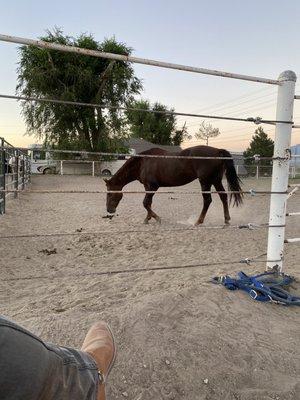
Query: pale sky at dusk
(257, 38)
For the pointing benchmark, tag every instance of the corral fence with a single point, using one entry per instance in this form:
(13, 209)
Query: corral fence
(284, 124)
(108, 168)
(14, 171)
(262, 171)
(100, 168)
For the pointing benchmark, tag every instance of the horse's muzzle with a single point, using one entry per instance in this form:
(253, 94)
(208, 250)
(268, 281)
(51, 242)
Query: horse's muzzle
(111, 209)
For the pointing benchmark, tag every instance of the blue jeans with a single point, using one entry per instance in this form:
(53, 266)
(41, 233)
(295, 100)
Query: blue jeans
(31, 369)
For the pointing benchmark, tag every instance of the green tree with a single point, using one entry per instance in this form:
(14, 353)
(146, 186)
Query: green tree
(207, 131)
(180, 135)
(72, 77)
(261, 145)
(156, 127)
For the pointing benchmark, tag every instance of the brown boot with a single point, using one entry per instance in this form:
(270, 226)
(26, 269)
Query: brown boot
(100, 344)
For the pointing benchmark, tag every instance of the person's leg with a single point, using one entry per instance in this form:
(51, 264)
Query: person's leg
(99, 343)
(34, 370)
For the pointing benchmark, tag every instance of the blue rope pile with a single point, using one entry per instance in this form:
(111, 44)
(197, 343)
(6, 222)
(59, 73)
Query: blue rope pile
(267, 287)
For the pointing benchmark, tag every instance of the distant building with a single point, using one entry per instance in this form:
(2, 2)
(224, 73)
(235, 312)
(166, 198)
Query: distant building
(139, 145)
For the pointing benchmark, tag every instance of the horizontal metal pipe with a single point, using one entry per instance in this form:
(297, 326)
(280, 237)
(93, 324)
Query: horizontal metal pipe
(292, 213)
(297, 97)
(292, 240)
(137, 60)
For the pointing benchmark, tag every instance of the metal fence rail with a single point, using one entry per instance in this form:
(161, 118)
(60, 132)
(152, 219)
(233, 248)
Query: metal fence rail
(137, 60)
(14, 171)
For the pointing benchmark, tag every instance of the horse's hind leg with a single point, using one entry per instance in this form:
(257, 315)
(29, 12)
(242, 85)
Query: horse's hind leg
(224, 198)
(147, 204)
(206, 201)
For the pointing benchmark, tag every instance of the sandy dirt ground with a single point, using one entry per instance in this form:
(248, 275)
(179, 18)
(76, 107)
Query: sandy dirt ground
(178, 335)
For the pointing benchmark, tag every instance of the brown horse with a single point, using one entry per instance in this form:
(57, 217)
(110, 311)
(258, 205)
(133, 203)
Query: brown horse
(165, 172)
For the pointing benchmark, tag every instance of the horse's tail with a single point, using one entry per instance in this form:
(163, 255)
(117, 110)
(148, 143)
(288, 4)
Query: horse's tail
(234, 182)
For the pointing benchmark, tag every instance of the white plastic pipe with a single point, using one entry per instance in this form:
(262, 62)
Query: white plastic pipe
(280, 174)
(112, 56)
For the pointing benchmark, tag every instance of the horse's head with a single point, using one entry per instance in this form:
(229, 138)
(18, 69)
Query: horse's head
(112, 199)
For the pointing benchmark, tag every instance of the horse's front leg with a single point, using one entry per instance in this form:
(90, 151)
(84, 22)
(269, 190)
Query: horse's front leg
(147, 204)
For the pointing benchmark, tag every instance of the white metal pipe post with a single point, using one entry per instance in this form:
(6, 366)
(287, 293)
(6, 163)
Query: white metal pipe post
(280, 174)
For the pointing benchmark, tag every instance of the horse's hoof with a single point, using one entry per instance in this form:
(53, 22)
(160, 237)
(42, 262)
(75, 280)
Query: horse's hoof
(109, 216)
(227, 223)
(146, 221)
(158, 220)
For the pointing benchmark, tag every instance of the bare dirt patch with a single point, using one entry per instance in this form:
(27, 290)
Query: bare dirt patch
(178, 336)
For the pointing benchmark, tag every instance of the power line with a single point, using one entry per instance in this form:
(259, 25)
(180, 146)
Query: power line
(237, 107)
(245, 110)
(257, 107)
(224, 103)
(242, 111)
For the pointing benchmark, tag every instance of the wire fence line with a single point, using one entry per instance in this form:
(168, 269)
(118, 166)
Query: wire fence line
(247, 261)
(250, 226)
(233, 157)
(255, 120)
(247, 192)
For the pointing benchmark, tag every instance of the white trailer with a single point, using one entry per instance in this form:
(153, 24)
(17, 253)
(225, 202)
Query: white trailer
(40, 160)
